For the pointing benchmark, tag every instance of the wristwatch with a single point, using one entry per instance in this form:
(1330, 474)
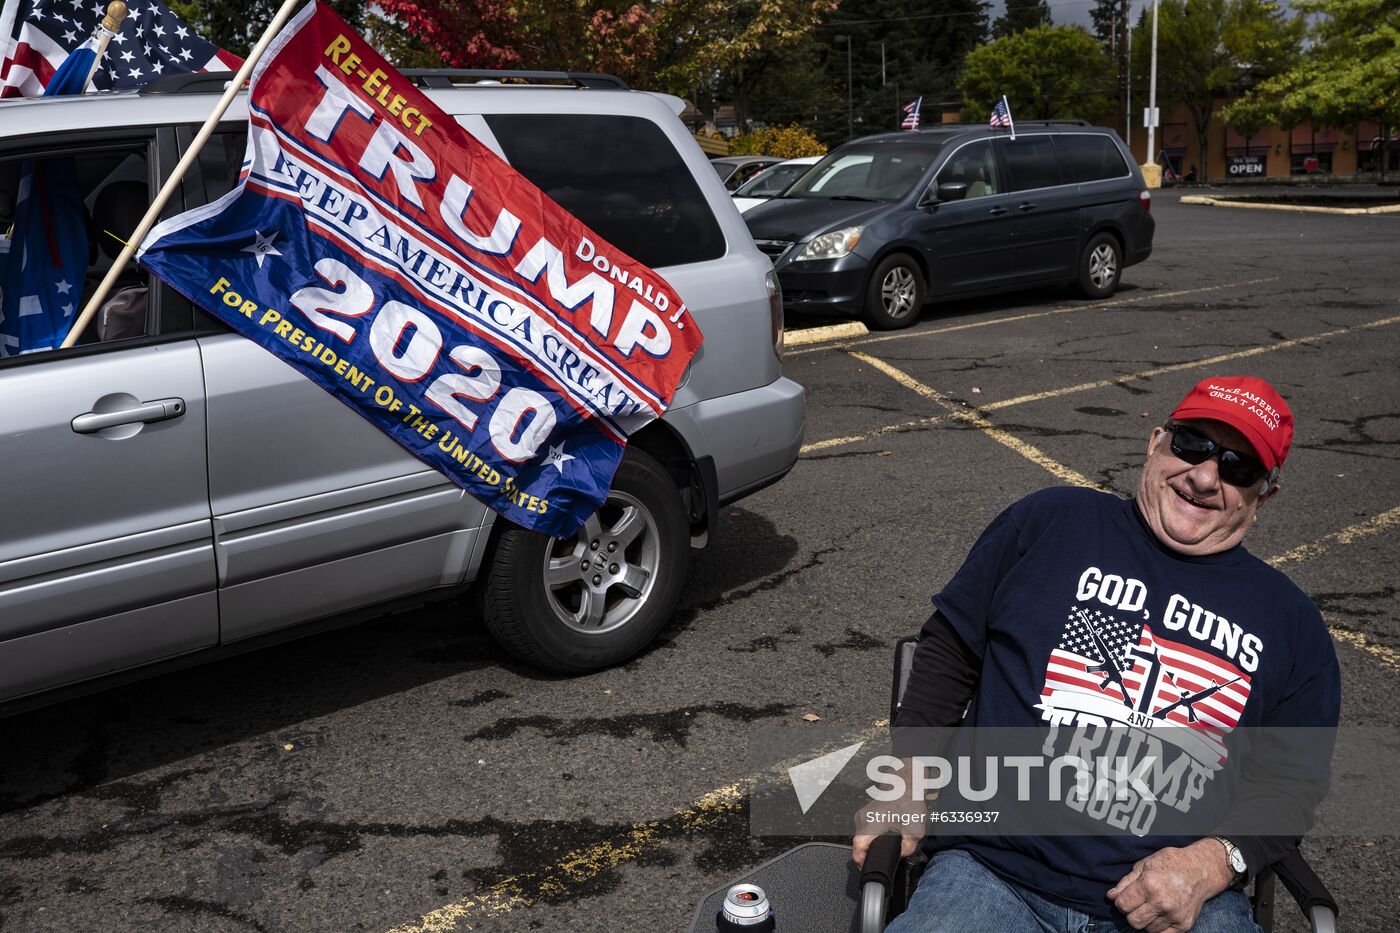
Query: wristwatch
(1235, 858)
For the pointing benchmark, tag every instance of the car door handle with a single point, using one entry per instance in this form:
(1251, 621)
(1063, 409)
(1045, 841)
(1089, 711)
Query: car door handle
(91, 422)
(1025, 206)
(997, 211)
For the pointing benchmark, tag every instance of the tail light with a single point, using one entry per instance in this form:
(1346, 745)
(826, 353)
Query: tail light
(1145, 199)
(775, 310)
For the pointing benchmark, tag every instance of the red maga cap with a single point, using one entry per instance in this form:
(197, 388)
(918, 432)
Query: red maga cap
(1248, 404)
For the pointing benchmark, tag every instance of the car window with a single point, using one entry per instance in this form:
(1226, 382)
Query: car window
(1031, 163)
(771, 183)
(622, 177)
(887, 174)
(1087, 157)
(974, 165)
(63, 221)
(744, 173)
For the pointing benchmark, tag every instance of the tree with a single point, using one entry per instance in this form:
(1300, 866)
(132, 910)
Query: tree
(1021, 15)
(1213, 48)
(924, 46)
(1351, 72)
(1111, 23)
(1047, 72)
(236, 25)
(789, 142)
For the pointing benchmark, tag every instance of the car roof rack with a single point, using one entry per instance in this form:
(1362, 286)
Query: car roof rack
(214, 81)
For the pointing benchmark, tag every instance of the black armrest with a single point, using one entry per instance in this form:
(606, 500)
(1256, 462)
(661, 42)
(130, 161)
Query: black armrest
(1303, 883)
(882, 861)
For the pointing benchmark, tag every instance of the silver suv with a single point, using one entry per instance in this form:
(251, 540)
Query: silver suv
(171, 491)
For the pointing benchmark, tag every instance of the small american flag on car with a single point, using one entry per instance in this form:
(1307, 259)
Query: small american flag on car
(37, 35)
(1001, 114)
(911, 114)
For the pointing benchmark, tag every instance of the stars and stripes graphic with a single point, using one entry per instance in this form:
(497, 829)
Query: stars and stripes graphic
(1001, 114)
(1121, 670)
(911, 114)
(36, 36)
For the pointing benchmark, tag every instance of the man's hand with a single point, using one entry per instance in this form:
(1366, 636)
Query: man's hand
(1164, 892)
(867, 830)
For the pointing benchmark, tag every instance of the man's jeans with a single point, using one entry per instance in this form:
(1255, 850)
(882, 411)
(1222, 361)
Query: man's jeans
(958, 894)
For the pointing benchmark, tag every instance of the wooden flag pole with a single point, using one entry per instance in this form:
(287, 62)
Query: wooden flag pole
(284, 13)
(111, 25)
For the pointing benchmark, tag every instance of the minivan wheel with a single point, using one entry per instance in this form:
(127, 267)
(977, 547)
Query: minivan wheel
(591, 601)
(1100, 266)
(895, 294)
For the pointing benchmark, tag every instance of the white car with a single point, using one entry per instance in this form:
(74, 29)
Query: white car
(771, 182)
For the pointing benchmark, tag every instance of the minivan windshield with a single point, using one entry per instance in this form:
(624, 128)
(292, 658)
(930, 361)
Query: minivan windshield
(875, 173)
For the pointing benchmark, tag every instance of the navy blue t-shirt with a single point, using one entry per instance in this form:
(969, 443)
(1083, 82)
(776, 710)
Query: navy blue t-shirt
(1068, 578)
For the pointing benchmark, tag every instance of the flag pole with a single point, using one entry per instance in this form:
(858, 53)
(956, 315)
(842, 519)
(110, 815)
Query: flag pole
(284, 13)
(1009, 118)
(111, 25)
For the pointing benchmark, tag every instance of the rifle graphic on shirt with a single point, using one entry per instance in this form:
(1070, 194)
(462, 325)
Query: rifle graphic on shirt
(1191, 699)
(1109, 666)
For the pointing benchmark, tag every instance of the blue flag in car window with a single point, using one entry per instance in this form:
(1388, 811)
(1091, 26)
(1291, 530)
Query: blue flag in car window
(43, 257)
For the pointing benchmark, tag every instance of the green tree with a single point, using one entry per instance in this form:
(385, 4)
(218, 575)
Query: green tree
(1021, 15)
(1048, 72)
(236, 25)
(1350, 73)
(1207, 49)
(924, 45)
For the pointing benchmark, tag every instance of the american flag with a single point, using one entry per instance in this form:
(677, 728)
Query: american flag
(1119, 663)
(37, 35)
(1001, 114)
(911, 111)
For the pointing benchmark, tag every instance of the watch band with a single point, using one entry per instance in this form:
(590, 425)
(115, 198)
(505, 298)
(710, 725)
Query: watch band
(1235, 859)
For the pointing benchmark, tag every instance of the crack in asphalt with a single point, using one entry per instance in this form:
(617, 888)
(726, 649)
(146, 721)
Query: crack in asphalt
(481, 698)
(1339, 602)
(856, 640)
(188, 905)
(669, 726)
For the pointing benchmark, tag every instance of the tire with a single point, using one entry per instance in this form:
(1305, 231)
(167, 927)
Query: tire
(544, 608)
(1100, 266)
(895, 295)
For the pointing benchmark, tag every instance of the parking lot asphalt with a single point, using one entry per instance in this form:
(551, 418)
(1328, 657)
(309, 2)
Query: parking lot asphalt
(404, 774)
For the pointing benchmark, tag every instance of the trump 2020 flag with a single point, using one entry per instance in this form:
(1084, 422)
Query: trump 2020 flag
(383, 251)
(36, 37)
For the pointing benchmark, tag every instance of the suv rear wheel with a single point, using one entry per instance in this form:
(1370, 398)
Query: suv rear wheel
(895, 294)
(1100, 265)
(585, 603)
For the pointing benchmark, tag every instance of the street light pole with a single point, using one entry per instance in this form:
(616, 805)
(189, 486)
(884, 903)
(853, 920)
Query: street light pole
(850, 112)
(1152, 94)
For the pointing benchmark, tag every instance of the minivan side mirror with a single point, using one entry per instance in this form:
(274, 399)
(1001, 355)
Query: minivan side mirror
(952, 191)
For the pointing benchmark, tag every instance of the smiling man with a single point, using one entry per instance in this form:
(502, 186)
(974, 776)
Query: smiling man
(1079, 610)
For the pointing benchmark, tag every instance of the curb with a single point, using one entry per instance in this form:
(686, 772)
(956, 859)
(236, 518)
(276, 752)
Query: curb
(1309, 208)
(798, 338)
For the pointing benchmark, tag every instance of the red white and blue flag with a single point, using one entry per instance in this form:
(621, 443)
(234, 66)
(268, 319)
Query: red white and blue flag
(1001, 114)
(43, 259)
(911, 114)
(1119, 670)
(36, 36)
(383, 251)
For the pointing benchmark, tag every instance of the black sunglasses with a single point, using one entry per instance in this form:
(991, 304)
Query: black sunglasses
(1237, 469)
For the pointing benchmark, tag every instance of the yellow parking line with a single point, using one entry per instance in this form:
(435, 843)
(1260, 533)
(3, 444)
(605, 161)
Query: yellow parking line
(1387, 656)
(1314, 549)
(1103, 383)
(1373, 525)
(1190, 364)
(973, 417)
(1067, 309)
(522, 891)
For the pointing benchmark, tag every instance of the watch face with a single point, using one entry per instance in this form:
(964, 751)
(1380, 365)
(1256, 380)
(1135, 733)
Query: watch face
(1237, 860)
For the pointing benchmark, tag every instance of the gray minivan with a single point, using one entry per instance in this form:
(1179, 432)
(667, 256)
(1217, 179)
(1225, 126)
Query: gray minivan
(171, 491)
(886, 223)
